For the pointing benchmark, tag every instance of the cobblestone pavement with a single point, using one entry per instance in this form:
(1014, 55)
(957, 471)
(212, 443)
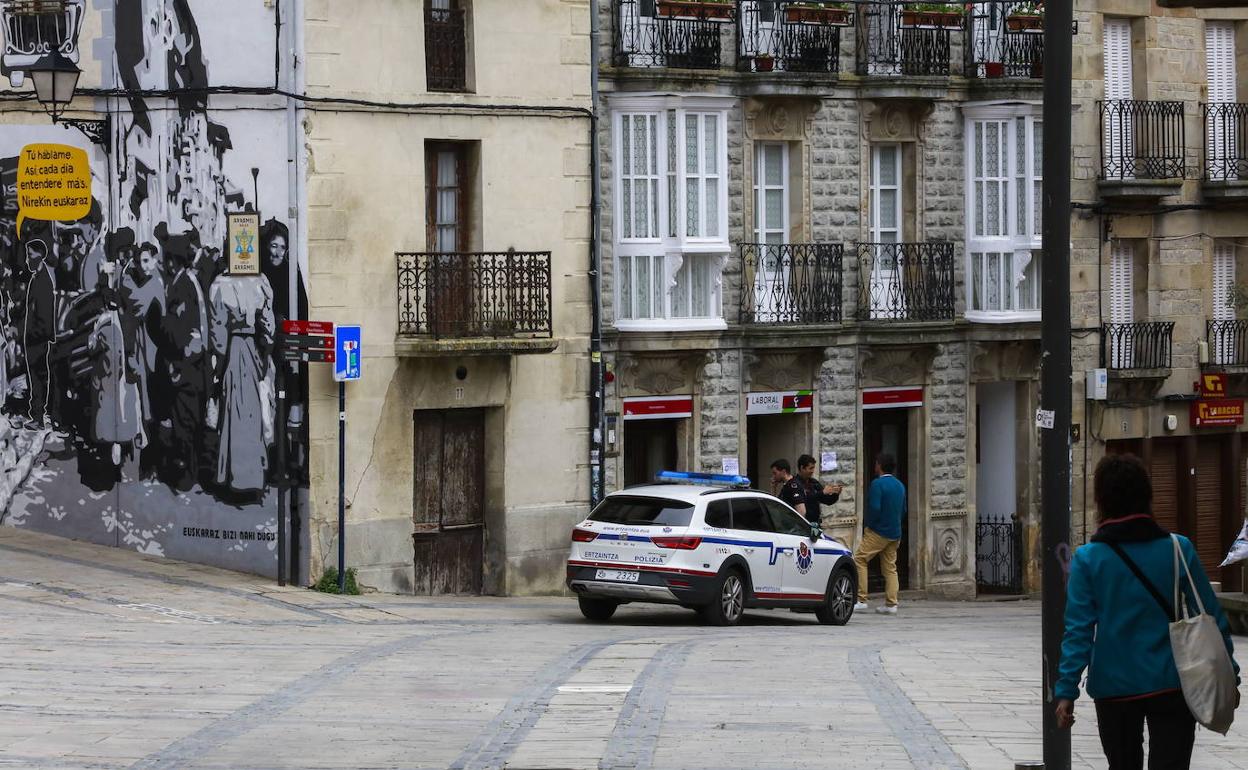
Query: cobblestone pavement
(110, 659)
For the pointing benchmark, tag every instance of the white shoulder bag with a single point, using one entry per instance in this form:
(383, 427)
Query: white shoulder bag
(1200, 655)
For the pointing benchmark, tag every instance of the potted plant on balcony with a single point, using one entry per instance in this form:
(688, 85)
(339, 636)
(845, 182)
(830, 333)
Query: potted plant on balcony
(709, 10)
(828, 14)
(1026, 17)
(764, 62)
(931, 16)
(994, 69)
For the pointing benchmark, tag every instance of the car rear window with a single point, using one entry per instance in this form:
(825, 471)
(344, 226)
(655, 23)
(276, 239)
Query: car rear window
(643, 511)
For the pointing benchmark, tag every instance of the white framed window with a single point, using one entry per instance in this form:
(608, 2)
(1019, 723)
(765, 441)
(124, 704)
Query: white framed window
(1122, 282)
(1003, 201)
(671, 211)
(1116, 124)
(885, 204)
(771, 192)
(1223, 280)
(1222, 124)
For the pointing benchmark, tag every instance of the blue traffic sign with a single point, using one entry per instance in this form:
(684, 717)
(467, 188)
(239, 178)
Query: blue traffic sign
(347, 348)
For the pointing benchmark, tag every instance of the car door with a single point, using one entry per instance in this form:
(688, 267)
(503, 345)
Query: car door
(799, 573)
(755, 535)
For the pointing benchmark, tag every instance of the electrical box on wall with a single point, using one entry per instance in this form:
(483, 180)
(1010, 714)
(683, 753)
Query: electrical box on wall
(1097, 386)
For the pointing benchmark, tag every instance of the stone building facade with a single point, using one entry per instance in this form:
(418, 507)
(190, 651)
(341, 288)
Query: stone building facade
(1158, 235)
(791, 264)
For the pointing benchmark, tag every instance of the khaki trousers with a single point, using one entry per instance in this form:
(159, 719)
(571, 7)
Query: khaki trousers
(872, 545)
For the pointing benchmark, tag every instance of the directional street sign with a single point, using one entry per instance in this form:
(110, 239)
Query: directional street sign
(347, 348)
(308, 341)
(306, 356)
(307, 327)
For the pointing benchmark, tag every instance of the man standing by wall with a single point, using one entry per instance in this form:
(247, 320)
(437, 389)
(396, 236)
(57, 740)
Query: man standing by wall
(881, 533)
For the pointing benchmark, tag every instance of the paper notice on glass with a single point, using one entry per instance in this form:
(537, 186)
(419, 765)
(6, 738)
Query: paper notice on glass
(827, 461)
(731, 466)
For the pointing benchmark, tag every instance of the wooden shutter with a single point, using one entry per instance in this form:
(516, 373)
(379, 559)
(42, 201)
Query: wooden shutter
(1117, 143)
(1208, 534)
(1223, 280)
(1122, 283)
(1164, 472)
(1220, 61)
(1118, 59)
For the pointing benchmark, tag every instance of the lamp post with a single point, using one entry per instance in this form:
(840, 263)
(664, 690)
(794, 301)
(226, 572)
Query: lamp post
(55, 79)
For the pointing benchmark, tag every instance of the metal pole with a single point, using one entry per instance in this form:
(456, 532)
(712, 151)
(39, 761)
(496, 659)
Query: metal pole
(280, 474)
(342, 487)
(1055, 393)
(597, 366)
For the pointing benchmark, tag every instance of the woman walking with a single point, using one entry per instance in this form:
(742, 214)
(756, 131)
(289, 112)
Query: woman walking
(1115, 627)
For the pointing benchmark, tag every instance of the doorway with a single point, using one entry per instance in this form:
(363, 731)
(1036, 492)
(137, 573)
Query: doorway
(650, 446)
(769, 438)
(449, 510)
(888, 430)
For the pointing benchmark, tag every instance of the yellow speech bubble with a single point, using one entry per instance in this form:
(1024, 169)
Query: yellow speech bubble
(53, 184)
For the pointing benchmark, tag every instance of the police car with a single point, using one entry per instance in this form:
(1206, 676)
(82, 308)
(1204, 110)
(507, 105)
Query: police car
(707, 542)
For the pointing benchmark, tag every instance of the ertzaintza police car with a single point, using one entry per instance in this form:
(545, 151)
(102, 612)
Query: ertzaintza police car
(706, 542)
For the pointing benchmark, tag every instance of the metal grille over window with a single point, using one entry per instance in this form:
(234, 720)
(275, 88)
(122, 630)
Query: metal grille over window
(446, 50)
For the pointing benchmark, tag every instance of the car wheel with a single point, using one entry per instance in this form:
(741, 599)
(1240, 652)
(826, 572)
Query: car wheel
(838, 606)
(729, 603)
(599, 610)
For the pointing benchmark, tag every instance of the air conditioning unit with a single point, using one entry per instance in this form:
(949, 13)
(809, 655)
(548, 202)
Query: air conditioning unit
(1096, 387)
(1202, 351)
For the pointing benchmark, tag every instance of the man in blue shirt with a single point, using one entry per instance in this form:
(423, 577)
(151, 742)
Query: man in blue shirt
(881, 533)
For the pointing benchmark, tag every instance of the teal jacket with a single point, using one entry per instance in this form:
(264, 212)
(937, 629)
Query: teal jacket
(1114, 626)
(886, 505)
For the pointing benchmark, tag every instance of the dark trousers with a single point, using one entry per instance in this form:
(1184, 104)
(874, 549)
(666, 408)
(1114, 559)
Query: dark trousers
(1171, 732)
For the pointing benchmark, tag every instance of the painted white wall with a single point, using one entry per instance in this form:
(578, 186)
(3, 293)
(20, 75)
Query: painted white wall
(996, 487)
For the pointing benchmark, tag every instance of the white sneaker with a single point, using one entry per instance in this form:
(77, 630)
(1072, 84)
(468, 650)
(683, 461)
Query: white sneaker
(861, 607)
(886, 610)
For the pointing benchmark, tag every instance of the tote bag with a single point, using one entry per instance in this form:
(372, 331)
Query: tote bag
(1200, 655)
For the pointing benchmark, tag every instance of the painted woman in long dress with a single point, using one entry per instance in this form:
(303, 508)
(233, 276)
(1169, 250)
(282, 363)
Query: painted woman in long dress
(242, 326)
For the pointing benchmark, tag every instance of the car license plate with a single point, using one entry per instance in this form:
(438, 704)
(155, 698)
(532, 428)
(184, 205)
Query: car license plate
(618, 575)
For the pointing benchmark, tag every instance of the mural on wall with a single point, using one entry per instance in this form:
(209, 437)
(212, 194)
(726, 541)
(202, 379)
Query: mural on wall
(137, 378)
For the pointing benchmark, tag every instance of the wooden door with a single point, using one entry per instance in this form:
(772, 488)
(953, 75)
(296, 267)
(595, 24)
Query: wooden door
(887, 430)
(449, 510)
(1210, 506)
(649, 447)
(1164, 471)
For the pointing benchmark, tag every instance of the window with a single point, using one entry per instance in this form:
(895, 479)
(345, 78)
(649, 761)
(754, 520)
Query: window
(446, 45)
(1222, 129)
(450, 195)
(1004, 163)
(748, 513)
(771, 192)
(671, 204)
(1118, 141)
(719, 514)
(1122, 282)
(886, 193)
(785, 521)
(643, 511)
(1223, 280)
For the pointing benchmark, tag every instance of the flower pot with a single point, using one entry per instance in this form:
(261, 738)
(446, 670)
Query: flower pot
(931, 19)
(994, 69)
(828, 17)
(764, 64)
(1037, 69)
(1024, 23)
(696, 9)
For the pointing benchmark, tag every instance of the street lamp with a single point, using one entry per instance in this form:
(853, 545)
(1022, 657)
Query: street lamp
(55, 79)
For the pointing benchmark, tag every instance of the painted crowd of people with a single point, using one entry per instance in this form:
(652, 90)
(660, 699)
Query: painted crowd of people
(144, 350)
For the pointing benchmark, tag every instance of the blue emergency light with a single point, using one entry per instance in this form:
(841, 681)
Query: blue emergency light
(710, 479)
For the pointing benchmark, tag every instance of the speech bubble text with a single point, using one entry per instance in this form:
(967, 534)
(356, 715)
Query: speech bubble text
(53, 184)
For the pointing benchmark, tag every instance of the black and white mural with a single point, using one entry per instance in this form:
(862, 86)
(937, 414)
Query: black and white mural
(137, 377)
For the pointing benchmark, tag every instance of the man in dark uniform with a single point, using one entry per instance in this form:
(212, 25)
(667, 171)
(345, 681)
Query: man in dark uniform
(788, 487)
(816, 491)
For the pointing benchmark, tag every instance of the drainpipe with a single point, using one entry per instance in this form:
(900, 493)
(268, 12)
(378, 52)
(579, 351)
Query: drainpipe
(597, 367)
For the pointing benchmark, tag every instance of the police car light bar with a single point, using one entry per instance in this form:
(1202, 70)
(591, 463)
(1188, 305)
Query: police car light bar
(709, 479)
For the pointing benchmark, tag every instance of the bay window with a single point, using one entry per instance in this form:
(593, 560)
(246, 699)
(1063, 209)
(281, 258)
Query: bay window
(1003, 230)
(670, 238)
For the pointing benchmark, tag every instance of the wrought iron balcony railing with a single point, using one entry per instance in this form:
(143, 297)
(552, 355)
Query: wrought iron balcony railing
(999, 554)
(496, 294)
(792, 283)
(1226, 142)
(905, 282)
(686, 34)
(35, 28)
(1144, 345)
(890, 43)
(446, 49)
(784, 36)
(994, 50)
(1141, 140)
(1228, 342)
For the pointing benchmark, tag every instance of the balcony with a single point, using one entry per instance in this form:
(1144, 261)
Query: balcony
(34, 28)
(1228, 343)
(681, 34)
(1141, 149)
(893, 41)
(446, 52)
(1143, 348)
(997, 48)
(474, 302)
(1225, 176)
(905, 282)
(793, 283)
(783, 36)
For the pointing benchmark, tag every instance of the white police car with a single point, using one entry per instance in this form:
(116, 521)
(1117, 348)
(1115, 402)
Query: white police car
(706, 542)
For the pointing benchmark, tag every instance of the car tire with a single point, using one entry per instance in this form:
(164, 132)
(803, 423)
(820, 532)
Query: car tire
(729, 603)
(838, 605)
(597, 610)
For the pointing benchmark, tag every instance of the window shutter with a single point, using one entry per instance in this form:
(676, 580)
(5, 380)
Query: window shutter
(1223, 280)
(1121, 283)
(1220, 61)
(1118, 59)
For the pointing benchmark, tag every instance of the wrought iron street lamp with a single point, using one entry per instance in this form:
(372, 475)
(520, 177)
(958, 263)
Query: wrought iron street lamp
(55, 79)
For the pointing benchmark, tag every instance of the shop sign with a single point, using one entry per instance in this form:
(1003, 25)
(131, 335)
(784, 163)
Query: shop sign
(892, 398)
(1213, 386)
(658, 407)
(780, 402)
(1209, 413)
